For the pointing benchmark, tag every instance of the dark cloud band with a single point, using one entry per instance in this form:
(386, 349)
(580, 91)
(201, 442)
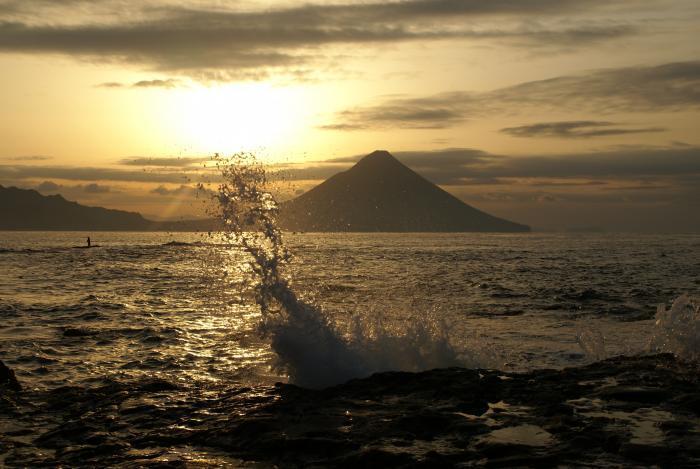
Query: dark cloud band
(461, 166)
(164, 162)
(72, 173)
(667, 87)
(575, 129)
(219, 43)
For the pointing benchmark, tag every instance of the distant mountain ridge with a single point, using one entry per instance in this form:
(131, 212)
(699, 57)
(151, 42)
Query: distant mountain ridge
(26, 209)
(380, 193)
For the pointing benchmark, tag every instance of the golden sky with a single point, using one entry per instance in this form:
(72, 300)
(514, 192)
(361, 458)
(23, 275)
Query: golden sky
(556, 113)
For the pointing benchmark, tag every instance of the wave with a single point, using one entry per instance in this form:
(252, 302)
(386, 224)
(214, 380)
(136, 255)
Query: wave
(677, 330)
(310, 347)
(89, 307)
(32, 250)
(183, 243)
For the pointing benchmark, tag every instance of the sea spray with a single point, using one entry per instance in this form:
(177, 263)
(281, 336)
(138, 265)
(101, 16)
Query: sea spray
(310, 348)
(677, 330)
(591, 339)
(674, 330)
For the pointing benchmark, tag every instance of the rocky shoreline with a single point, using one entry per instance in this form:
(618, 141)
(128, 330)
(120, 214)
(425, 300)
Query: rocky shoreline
(623, 411)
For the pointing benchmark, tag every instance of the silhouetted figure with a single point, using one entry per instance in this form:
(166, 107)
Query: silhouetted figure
(88, 241)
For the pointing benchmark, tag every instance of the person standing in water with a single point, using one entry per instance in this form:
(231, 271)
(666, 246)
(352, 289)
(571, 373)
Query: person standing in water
(88, 241)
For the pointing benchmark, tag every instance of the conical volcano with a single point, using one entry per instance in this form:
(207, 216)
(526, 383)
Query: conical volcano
(380, 193)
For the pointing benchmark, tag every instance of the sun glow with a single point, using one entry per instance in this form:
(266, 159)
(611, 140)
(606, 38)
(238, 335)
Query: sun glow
(230, 118)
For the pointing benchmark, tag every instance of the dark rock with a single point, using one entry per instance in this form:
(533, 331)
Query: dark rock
(635, 394)
(582, 442)
(476, 407)
(8, 379)
(494, 450)
(644, 453)
(374, 458)
(426, 424)
(436, 418)
(690, 402)
(557, 409)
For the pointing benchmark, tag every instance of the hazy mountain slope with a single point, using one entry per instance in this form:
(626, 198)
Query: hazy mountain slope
(23, 209)
(379, 193)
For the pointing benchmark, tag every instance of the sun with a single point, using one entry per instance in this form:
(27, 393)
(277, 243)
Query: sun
(236, 117)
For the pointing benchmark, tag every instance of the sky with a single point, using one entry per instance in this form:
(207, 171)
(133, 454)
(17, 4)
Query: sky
(561, 114)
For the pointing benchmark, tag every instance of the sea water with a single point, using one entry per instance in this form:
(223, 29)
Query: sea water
(182, 306)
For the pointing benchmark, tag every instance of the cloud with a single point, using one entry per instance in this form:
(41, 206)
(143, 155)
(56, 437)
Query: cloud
(575, 129)
(95, 188)
(29, 158)
(156, 83)
(667, 87)
(51, 187)
(175, 162)
(48, 186)
(110, 84)
(468, 166)
(632, 163)
(414, 115)
(208, 41)
(73, 173)
(452, 166)
(355, 11)
(169, 83)
(183, 189)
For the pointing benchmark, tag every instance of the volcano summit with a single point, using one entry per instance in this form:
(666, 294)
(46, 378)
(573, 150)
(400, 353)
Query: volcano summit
(380, 193)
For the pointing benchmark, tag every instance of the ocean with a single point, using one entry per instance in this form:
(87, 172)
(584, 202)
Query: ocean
(157, 303)
(183, 309)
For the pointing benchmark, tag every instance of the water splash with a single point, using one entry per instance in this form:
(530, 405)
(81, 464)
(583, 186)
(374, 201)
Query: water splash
(592, 341)
(677, 330)
(310, 348)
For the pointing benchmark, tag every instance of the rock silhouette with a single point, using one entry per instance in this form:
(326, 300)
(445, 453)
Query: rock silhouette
(621, 412)
(8, 379)
(379, 193)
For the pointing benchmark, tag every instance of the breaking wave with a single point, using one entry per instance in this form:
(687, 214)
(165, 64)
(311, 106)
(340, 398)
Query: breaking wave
(310, 347)
(677, 329)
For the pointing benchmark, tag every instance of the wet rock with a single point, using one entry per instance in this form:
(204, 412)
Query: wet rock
(495, 450)
(374, 458)
(426, 425)
(645, 453)
(636, 394)
(474, 407)
(557, 409)
(580, 416)
(8, 379)
(690, 402)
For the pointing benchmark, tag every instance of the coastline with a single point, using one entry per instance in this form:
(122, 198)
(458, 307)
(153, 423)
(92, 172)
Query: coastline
(620, 411)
